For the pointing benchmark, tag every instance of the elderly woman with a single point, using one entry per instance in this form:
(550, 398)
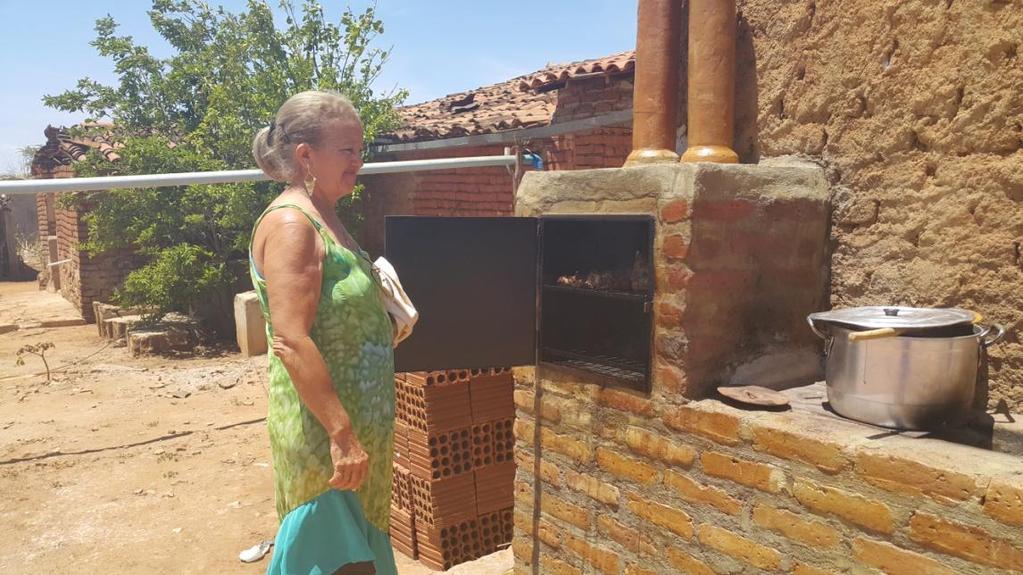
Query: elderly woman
(331, 404)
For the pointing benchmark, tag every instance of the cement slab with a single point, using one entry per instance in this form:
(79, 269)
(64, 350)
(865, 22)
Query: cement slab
(24, 305)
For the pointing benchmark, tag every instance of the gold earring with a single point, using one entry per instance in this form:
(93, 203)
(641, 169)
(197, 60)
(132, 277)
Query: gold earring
(310, 183)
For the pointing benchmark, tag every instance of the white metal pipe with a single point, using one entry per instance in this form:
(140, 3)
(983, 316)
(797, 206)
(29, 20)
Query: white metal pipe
(20, 187)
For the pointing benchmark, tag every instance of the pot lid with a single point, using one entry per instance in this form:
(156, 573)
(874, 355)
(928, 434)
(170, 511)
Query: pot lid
(877, 317)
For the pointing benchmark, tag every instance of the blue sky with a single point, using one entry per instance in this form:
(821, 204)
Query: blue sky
(439, 47)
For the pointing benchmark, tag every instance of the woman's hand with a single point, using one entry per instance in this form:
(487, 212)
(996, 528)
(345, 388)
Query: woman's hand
(351, 463)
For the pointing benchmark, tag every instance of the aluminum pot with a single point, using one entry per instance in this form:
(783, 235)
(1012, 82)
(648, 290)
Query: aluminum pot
(904, 368)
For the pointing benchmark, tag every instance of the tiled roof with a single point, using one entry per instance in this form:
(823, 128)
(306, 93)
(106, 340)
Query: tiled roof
(512, 104)
(63, 149)
(622, 63)
(481, 111)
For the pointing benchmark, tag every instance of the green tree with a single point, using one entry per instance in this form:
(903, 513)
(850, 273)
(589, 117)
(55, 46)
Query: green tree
(198, 110)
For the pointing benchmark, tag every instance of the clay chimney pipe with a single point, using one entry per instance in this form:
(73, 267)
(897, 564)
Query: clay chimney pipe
(655, 94)
(711, 100)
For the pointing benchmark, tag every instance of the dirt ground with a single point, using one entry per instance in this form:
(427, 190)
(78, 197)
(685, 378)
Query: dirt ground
(124, 465)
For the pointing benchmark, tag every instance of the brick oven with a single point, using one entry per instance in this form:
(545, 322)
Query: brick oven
(738, 259)
(626, 293)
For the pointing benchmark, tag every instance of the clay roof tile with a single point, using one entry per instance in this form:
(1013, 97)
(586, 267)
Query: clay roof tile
(523, 102)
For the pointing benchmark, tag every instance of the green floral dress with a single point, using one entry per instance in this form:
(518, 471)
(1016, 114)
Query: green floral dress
(353, 333)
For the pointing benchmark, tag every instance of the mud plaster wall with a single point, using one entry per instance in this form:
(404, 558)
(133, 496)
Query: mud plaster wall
(915, 108)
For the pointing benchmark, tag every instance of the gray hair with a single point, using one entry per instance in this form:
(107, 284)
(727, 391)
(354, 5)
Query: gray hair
(300, 120)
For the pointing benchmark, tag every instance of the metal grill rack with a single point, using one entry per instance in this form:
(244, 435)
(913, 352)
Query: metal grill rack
(605, 365)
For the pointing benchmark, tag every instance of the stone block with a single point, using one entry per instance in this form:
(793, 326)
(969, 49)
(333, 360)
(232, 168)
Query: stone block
(693, 491)
(675, 520)
(97, 314)
(852, 507)
(801, 445)
(688, 564)
(113, 322)
(565, 445)
(655, 446)
(522, 549)
(250, 326)
(160, 340)
(524, 430)
(525, 399)
(749, 473)
(523, 521)
(623, 467)
(626, 401)
(903, 475)
(593, 487)
(575, 416)
(626, 537)
(715, 425)
(812, 533)
(118, 327)
(895, 561)
(569, 512)
(966, 541)
(555, 566)
(602, 558)
(549, 534)
(675, 247)
(523, 490)
(674, 211)
(1004, 500)
(740, 547)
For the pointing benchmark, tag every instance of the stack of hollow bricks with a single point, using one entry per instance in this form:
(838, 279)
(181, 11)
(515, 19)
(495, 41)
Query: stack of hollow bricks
(454, 466)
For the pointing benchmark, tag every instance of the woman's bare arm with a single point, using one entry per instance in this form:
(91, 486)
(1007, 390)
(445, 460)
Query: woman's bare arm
(293, 267)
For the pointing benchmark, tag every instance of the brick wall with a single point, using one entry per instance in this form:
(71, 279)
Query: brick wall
(584, 98)
(85, 279)
(601, 148)
(462, 192)
(632, 486)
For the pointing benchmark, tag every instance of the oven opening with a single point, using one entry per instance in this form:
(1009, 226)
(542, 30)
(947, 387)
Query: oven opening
(596, 296)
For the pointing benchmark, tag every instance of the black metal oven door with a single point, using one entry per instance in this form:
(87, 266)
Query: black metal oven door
(474, 282)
